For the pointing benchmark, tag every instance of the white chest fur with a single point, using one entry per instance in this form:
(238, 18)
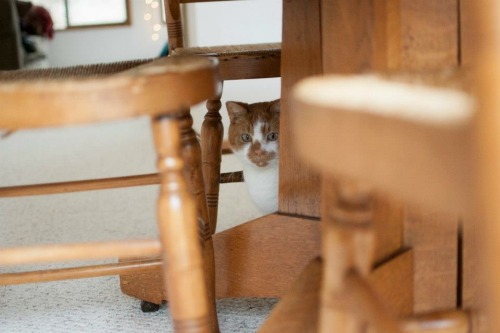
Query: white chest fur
(262, 184)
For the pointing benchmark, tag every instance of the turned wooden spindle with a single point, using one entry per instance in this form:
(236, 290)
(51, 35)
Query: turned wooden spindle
(174, 25)
(178, 225)
(191, 154)
(99, 184)
(212, 134)
(348, 250)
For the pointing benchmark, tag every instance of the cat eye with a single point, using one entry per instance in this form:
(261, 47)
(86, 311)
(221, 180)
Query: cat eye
(246, 137)
(273, 136)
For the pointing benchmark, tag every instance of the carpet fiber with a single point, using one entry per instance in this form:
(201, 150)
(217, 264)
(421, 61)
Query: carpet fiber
(96, 305)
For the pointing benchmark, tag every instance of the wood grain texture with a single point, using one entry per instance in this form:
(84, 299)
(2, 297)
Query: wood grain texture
(368, 306)
(386, 35)
(66, 252)
(488, 249)
(393, 281)
(401, 34)
(433, 25)
(429, 34)
(430, 40)
(297, 311)
(358, 36)
(348, 246)
(241, 62)
(474, 281)
(352, 154)
(369, 139)
(388, 218)
(275, 249)
(243, 67)
(99, 184)
(173, 17)
(347, 36)
(212, 133)
(81, 272)
(183, 265)
(77, 186)
(143, 90)
(474, 287)
(249, 258)
(469, 31)
(247, 62)
(136, 92)
(434, 238)
(299, 186)
(193, 173)
(349, 213)
(146, 285)
(485, 18)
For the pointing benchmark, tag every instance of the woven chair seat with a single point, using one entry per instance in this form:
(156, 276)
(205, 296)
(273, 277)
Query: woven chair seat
(91, 93)
(231, 50)
(80, 71)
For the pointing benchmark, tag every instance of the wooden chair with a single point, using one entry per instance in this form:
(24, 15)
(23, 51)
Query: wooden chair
(405, 135)
(236, 62)
(162, 89)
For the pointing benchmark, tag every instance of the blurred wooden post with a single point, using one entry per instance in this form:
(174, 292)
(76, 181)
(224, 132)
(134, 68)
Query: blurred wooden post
(472, 273)
(484, 35)
(348, 246)
(299, 186)
(359, 36)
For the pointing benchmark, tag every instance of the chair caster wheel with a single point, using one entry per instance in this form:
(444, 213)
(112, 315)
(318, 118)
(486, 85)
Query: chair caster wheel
(149, 307)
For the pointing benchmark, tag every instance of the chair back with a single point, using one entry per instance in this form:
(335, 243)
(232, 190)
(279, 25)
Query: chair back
(406, 140)
(173, 15)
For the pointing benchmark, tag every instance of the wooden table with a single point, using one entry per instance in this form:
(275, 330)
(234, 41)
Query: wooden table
(343, 36)
(262, 257)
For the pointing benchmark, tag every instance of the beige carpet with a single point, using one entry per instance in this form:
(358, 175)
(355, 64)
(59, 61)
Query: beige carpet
(95, 305)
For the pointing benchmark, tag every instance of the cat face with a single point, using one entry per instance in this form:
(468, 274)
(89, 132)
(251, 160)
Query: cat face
(254, 131)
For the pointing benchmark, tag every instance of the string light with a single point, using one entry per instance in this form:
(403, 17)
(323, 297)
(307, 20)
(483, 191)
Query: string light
(152, 6)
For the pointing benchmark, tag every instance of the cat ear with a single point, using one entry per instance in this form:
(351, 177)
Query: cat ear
(235, 109)
(276, 106)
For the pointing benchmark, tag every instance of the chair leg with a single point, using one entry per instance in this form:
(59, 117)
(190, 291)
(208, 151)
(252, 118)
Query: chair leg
(348, 244)
(191, 153)
(212, 134)
(183, 268)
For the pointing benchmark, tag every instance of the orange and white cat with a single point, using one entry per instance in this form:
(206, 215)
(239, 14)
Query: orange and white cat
(254, 139)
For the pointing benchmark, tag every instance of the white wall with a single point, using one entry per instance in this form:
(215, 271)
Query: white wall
(234, 22)
(94, 45)
(237, 22)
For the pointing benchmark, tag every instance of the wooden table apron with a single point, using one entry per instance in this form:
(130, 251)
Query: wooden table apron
(340, 36)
